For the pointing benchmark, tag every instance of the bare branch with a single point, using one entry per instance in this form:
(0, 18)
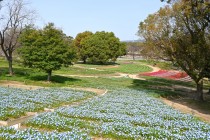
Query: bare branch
(14, 17)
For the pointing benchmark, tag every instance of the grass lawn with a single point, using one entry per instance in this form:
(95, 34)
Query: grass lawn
(73, 70)
(129, 67)
(132, 68)
(162, 65)
(35, 77)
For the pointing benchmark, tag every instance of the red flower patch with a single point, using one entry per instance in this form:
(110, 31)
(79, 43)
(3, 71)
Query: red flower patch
(176, 75)
(154, 73)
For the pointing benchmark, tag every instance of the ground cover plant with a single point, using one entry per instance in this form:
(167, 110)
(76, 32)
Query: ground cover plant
(8, 133)
(16, 102)
(125, 114)
(175, 75)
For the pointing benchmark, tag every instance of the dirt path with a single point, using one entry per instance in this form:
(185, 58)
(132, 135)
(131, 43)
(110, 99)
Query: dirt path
(188, 110)
(101, 68)
(132, 76)
(15, 84)
(118, 75)
(154, 69)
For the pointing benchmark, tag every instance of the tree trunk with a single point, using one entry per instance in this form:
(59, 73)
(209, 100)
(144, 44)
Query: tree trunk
(49, 75)
(10, 66)
(84, 60)
(200, 91)
(133, 56)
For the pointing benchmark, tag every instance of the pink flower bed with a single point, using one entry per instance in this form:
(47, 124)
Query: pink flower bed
(154, 73)
(176, 75)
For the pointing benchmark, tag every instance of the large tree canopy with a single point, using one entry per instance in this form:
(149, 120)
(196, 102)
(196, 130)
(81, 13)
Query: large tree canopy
(102, 47)
(77, 44)
(47, 49)
(179, 33)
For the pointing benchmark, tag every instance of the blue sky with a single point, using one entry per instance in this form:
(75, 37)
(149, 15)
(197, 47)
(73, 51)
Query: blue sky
(74, 16)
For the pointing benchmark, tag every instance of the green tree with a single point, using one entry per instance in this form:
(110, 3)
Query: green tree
(77, 44)
(180, 33)
(102, 47)
(46, 49)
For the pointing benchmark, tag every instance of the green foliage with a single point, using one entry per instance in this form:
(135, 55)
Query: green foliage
(102, 47)
(77, 43)
(180, 33)
(46, 49)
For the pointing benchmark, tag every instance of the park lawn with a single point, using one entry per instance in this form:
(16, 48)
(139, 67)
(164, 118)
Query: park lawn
(60, 78)
(160, 64)
(119, 67)
(131, 68)
(24, 74)
(3, 63)
(74, 70)
(87, 65)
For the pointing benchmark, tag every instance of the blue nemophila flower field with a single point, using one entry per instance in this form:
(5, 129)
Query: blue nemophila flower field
(125, 114)
(7, 133)
(16, 102)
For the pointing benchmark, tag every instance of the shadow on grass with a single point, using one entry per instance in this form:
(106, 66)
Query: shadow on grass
(100, 64)
(22, 74)
(160, 87)
(17, 71)
(168, 88)
(200, 106)
(172, 82)
(54, 78)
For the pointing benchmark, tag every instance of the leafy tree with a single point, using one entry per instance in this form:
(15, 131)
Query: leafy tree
(102, 47)
(77, 44)
(47, 49)
(14, 17)
(180, 33)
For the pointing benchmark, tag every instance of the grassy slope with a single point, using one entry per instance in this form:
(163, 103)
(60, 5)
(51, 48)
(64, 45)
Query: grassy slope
(34, 77)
